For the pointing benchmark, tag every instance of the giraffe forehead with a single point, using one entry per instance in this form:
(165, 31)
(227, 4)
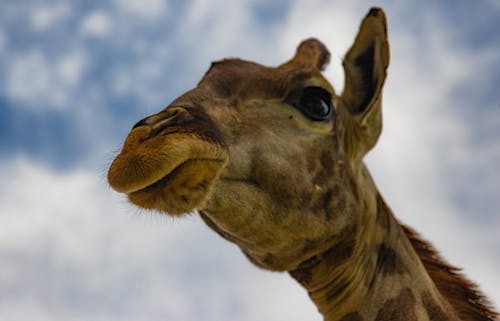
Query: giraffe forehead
(244, 79)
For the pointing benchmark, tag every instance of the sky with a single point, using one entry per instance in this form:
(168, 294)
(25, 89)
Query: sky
(76, 75)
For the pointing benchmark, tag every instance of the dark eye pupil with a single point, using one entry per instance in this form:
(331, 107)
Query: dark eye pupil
(315, 105)
(315, 102)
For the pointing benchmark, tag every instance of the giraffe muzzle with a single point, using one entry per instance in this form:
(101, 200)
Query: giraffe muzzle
(167, 156)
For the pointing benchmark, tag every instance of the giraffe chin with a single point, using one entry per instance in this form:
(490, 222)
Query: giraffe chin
(182, 190)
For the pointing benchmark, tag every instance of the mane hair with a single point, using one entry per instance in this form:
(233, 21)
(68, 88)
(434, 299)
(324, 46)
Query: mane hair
(461, 293)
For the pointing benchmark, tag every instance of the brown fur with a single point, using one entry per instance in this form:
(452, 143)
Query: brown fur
(354, 316)
(388, 261)
(461, 293)
(399, 308)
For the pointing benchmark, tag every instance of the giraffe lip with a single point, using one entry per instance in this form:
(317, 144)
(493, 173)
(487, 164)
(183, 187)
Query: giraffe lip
(183, 189)
(145, 162)
(169, 176)
(162, 180)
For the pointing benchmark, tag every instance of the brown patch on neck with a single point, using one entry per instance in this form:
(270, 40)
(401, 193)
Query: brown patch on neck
(401, 307)
(353, 316)
(304, 273)
(388, 263)
(332, 257)
(340, 252)
(462, 294)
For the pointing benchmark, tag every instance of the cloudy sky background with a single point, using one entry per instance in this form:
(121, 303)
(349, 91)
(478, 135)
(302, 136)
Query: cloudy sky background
(76, 75)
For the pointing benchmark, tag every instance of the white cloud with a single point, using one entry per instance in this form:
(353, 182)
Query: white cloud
(96, 24)
(29, 76)
(145, 9)
(71, 67)
(45, 17)
(215, 31)
(37, 80)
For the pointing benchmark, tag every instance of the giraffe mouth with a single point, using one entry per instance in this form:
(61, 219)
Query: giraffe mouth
(172, 173)
(183, 189)
(180, 171)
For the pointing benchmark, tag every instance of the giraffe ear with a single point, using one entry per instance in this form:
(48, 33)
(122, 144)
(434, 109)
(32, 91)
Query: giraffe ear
(310, 53)
(365, 66)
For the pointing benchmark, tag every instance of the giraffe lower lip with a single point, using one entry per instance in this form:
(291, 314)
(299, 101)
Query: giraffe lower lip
(164, 179)
(168, 177)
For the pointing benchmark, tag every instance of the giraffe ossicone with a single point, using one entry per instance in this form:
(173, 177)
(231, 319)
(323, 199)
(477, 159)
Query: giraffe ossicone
(272, 160)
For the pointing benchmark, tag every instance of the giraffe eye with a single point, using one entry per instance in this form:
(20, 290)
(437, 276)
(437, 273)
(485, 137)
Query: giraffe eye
(315, 103)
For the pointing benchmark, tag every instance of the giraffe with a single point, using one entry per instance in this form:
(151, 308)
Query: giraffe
(272, 159)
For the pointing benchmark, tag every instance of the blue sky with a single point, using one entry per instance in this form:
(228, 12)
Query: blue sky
(76, 75)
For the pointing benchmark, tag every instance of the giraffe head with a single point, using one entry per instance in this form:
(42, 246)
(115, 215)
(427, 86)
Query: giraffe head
(270, 157)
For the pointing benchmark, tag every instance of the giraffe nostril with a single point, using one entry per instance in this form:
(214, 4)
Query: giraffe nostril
(160, 121)
(140, 123)
(170, 117)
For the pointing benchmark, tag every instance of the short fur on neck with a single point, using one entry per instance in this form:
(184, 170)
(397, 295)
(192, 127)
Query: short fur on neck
(461, 293)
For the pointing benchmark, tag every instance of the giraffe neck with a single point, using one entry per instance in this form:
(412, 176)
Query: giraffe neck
(376, 275)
